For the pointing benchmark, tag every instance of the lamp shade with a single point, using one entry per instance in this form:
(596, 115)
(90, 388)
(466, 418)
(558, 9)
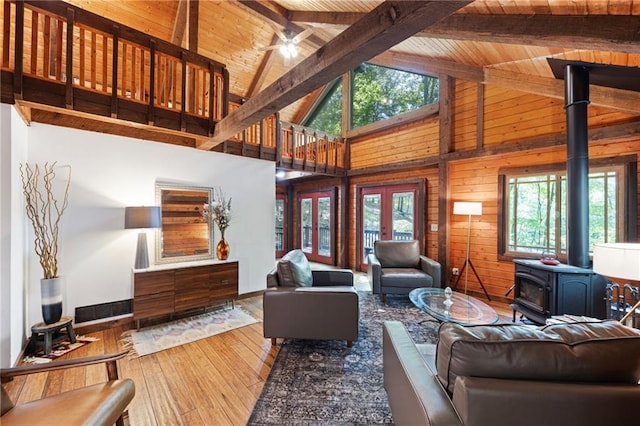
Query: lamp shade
(617, 260)
(142, 217)
(470, 208)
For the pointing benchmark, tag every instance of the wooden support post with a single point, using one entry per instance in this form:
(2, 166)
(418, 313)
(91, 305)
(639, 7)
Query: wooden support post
(183, 106)
(278, 139)
(261, 139)
(69, 62)
(19, 50)
(225, 95)
(212, 96)
(6, 34)
(114, 74)
(151, 114)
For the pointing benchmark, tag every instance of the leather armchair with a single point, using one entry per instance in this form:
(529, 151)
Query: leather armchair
(301, 303)
(397, 267)
(99, 404)
(510, 374)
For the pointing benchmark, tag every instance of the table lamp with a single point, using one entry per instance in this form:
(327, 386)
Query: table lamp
(618, 260)
(142, 218)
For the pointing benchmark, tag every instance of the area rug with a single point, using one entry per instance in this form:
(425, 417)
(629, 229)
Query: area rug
(61, 348)
(186, 330)
(324, 382)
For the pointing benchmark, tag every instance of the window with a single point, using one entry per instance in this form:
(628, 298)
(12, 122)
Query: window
(328, 114)
(377, 93)
(535, 216)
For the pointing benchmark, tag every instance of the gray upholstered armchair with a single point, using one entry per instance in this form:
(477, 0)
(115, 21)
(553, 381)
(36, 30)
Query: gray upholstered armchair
(397, 267)
(301, 303)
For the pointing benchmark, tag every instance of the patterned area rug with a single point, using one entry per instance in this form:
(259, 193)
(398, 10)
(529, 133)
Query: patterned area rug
(324, 382)
(57, 350)
(186, 330)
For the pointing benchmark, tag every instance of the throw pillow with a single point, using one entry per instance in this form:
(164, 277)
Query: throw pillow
(294, 270)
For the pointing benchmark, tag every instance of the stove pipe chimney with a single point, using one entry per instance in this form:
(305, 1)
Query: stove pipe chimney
(576, 80)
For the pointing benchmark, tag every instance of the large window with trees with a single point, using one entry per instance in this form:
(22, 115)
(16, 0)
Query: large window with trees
(376, 93)
(534, 217)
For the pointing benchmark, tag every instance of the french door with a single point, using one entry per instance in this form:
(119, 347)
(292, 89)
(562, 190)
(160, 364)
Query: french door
(281, 225)
(316, 226)
(387, 213)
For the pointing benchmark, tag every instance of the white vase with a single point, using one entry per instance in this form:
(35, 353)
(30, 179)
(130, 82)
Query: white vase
(51, 299)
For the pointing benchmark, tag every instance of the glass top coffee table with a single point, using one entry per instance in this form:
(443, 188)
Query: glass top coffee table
(466, 310)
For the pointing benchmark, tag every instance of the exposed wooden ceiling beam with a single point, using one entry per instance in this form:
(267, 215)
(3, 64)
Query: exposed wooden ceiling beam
(263, 68)
(423, 65)
(379, 30)
(617, 33)
(180, 23)
(621, 100)
(281, 20)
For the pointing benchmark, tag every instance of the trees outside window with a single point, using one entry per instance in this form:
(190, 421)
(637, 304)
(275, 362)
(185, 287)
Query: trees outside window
(536, 212)
(377, 93)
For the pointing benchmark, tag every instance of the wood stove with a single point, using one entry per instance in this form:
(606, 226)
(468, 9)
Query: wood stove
(541, 291)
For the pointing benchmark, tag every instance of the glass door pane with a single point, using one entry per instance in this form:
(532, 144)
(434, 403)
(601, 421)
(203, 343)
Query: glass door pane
(324, 226)
(280, 213)
(402, 215)
(307, 224)
(371, 221)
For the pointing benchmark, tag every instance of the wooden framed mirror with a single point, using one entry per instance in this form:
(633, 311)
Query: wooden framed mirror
(184, 235)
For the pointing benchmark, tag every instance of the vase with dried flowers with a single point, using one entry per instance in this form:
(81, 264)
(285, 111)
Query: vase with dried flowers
(45, 211)
(218, 211)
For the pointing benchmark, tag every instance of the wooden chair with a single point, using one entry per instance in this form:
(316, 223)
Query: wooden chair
(99, 404)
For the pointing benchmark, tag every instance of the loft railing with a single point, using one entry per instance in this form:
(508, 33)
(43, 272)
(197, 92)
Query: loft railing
(63, 56)
(292, 146)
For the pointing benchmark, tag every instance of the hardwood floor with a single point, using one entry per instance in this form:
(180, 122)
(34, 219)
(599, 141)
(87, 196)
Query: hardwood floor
(212, 381)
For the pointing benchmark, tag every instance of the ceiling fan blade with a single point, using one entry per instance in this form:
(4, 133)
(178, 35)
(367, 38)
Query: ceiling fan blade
(306, 33)
(279, 32)
(272, 47)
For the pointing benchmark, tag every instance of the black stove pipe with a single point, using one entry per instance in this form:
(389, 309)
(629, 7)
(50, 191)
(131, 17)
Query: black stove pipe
(576, 79)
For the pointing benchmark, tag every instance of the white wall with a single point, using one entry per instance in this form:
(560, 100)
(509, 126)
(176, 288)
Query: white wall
(111, 172)
(13, 150)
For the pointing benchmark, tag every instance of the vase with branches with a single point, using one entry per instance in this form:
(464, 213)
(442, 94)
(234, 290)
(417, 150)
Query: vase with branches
(218, 211)
(45, 211)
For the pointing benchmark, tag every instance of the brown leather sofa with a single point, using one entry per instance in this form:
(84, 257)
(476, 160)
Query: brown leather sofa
(301, 303)
(397, 267)
(509, 374)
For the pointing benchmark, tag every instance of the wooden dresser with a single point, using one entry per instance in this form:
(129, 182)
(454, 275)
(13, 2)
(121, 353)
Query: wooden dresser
(171, 288)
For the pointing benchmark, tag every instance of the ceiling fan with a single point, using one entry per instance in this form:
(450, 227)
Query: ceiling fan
(288, 42)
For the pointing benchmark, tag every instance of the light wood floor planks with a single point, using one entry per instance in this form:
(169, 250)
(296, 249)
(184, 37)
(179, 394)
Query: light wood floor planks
(212, 381)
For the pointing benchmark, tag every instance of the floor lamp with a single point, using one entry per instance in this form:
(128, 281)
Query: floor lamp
(618, 260)
(142, 218)
(469, 209)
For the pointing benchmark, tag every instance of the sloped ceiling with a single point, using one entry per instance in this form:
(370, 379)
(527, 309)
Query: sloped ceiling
(502, 42)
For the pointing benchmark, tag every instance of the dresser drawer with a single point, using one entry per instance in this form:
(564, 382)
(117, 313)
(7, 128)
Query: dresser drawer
(149, 283)
(153, 305)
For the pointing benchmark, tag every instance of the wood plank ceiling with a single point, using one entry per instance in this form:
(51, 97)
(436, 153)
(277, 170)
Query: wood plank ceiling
(502, 42)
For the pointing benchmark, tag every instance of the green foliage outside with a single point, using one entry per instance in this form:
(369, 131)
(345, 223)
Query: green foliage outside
(535, 209)
(328, 115)
(378, 93)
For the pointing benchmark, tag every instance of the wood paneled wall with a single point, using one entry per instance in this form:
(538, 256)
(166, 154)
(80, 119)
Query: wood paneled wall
(487, 121)
(407, 142)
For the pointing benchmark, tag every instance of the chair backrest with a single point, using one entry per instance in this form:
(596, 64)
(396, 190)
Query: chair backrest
(397, 254)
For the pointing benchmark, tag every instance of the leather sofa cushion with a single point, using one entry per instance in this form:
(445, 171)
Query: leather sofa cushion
(397, 254)
(405, 277)
(604, 351)
(294, 270)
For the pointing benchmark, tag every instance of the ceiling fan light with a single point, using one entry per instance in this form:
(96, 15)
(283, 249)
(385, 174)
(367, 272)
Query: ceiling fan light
(284, 50)
(293, 50)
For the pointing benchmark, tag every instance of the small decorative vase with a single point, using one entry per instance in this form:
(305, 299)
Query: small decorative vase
(51, 299)
(222, 249)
